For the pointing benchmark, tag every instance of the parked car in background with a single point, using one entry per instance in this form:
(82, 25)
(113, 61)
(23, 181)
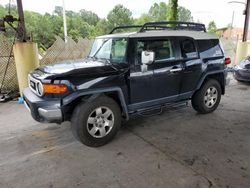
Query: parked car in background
(242, 71)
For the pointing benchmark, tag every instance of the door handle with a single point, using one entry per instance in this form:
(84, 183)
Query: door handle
(174, 70)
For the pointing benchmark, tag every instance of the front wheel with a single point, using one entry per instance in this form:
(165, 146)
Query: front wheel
(95, 123)
(207, 98)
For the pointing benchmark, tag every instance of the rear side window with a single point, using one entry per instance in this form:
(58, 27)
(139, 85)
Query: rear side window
(188, 49)
(209, 48)
(163, 49)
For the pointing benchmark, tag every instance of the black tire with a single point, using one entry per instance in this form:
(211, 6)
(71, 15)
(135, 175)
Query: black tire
(198, 101)
(81, 115)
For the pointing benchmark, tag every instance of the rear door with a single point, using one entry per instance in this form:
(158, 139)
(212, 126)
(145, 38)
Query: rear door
(196, 64)
(192, 66)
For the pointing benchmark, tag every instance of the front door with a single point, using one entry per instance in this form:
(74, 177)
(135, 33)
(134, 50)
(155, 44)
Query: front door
(161, 82)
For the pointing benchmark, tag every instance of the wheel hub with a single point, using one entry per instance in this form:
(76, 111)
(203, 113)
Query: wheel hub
(210, 97)
(100, 122)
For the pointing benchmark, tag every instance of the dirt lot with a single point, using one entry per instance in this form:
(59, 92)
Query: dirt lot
(177, 149)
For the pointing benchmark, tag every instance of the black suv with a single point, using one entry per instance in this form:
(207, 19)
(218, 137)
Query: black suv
(164, 64)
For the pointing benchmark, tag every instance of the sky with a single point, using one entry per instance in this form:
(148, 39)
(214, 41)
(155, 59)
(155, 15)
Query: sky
(203, 10)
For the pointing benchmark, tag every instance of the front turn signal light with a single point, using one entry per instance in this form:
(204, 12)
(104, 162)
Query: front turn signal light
(55, 88)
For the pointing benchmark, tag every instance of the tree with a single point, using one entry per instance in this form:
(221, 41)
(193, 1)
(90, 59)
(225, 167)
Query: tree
(142, 19)
(162, 12)
(58, 10)
(89, 17)
(158, 12)
(212, 27)
(3, 11)
(184, 15)
(85, 23)
(102, 27)
(118, 16)
(173, 13)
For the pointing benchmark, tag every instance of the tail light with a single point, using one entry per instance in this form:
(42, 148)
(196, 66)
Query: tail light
(227, 61)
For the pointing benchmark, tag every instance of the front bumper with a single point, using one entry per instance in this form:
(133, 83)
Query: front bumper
(242, 74)
(45, 111)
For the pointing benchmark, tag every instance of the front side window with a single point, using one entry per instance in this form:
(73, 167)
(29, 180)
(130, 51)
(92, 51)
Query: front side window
(188, 49)
(111, 49)
(163, 49)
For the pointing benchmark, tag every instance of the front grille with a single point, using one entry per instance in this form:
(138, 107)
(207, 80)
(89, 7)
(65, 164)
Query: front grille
(33, 85)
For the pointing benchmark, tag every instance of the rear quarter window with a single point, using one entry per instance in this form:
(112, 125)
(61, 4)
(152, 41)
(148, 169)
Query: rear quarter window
(188, 49)
(209, 48)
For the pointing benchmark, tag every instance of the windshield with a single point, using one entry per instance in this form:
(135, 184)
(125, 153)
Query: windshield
(111, 49)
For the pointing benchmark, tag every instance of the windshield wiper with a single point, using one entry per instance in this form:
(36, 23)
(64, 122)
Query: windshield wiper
(92, 57)
(100, 48)
(107, 61)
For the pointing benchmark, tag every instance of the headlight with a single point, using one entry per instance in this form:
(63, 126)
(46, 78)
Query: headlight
(39, 87)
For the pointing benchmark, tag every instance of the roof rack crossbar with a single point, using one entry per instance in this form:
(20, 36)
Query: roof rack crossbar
(125, 27)
(174, 26)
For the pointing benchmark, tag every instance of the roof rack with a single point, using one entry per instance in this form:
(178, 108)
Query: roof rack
(173, 26)
(149, 26)
(125, 27)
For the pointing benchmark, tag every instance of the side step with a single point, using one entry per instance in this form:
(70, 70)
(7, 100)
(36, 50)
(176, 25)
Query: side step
(157, 110)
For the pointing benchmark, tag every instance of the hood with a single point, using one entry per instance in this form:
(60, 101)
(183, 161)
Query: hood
(66, 66)
(245, 64)
(78, 67)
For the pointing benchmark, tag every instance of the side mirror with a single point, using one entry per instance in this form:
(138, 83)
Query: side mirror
(147, 57)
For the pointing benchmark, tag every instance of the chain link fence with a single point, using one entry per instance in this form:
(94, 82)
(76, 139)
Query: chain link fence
(8, 77)
(59, 51)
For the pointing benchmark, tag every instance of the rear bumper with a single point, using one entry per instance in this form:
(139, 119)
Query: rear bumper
(44, 111)
(226, 77)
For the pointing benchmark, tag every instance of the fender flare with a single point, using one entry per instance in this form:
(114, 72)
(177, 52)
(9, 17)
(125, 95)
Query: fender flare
(96, 92)
(208, 74)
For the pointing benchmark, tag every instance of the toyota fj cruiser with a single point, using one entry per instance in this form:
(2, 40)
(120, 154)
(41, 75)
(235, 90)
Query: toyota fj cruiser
(164, 64)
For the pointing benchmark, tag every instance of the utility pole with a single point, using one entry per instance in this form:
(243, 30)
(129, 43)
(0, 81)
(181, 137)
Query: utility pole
(247, 12)
(21, 31)
(25, 52)
(64, 23)
(232, 23)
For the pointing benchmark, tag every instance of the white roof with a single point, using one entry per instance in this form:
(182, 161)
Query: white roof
(198, 35)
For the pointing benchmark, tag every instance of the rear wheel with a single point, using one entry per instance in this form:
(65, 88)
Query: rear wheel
(207, 98)
(95, 123)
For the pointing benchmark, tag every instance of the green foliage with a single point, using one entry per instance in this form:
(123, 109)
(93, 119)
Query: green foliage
(162, 12)
(118, 16)
(89, 17)
(143, 19)
(184, 15)
(85, 23)
(158, 12)
(58, 11)
(3, 11)
(173, 14)
(212, 28)
(102, 27)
